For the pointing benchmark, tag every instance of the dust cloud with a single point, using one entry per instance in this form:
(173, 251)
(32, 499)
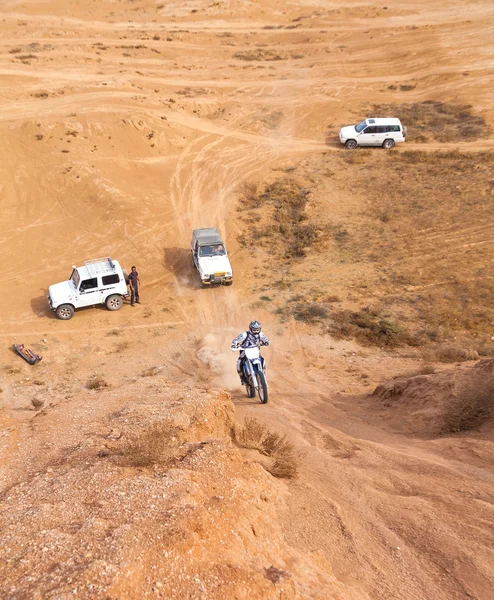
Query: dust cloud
(215, 352)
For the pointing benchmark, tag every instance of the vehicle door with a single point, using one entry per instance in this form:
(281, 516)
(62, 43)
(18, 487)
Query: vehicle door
(109, 285)
(88, 293)
(368, 136)
(382, 132)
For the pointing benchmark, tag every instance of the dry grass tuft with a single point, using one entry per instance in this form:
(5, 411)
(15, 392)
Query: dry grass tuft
(456, 354)
(37, 403)
(155, 444)
(256, 436)
(370, 327)
(309, 312)
(288, 230)
(470, 408)
(96, 382)
(258, 55)
(151, 372)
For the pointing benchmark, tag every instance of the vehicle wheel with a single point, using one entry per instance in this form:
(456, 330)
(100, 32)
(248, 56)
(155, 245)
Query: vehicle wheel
(114, 302)
(229, 283)
(251, 391)
(126, 276)
(388, 144)
(262, 388)
(202, 285)
(351, 144)
(65, 312)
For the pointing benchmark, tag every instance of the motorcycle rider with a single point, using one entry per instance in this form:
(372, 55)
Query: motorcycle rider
(254, 338)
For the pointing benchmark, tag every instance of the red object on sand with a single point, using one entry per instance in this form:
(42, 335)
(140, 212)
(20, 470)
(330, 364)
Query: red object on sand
(27, 354)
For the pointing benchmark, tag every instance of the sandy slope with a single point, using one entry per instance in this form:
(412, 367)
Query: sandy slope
(123, 125)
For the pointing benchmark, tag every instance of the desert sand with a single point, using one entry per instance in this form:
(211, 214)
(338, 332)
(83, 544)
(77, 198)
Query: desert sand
(123, 126)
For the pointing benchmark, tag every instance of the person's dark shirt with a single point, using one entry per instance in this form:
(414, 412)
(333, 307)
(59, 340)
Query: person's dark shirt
(133, 276)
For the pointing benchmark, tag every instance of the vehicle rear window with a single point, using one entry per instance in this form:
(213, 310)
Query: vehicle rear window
(109, 279)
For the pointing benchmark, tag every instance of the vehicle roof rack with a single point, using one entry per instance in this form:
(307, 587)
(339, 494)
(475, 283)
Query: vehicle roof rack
(100, 265)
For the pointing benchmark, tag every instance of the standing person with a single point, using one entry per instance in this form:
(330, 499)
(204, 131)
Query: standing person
(134, 282)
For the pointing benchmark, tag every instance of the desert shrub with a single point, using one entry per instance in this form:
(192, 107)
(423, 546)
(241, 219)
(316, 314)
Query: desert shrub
(288, 227)
(258, 55)
(249, 197)
(309, 313)
(470, 407)
(369, 326)
(155, 444)
(115, 332)
(37, 403)
(256, 436)
(151, 372)
(451, 353)
(96, 382)
(437, 120)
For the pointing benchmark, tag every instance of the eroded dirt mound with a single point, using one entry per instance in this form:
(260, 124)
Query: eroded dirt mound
(146, 496)
(441, 403)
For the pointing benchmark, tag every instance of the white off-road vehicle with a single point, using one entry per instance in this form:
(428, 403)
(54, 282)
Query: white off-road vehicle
(385, 132)
(99, 281)
(210, 257)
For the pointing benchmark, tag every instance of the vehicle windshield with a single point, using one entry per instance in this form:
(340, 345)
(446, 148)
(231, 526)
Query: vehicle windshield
(75, 278)
(360, 126)
(213, 250)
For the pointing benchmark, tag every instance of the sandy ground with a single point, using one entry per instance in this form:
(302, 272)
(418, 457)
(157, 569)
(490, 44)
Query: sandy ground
(123, 126)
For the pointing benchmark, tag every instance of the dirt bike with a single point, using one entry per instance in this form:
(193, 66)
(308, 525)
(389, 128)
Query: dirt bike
(253, 366)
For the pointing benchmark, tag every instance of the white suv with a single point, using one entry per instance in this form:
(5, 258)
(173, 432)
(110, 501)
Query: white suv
(373, 132)
(210, 258)
(99, 281)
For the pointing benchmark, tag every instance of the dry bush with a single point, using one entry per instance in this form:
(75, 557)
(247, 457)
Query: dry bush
(155, 444)
(96, 382)
(151, 372)
(258, 55)
(37, 403)
(456, 354)
(256, 436)
(439, 121)
(371, 327)
(287, 230)
(470, 407)
(309, 312)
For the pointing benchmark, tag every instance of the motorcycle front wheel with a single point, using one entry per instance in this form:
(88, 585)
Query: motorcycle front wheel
(262, 387)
